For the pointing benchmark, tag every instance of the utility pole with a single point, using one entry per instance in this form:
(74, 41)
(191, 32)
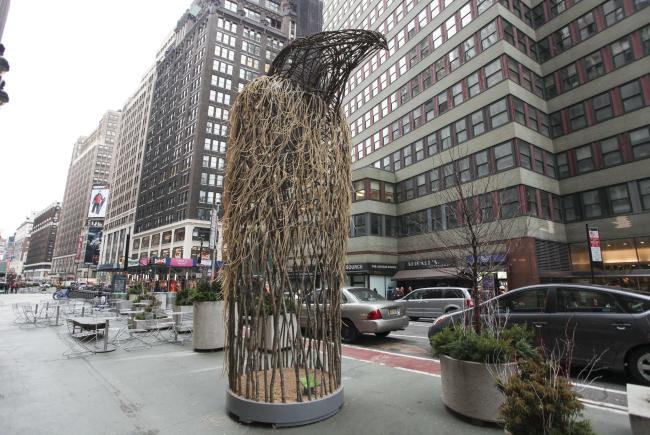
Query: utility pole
(214, 237)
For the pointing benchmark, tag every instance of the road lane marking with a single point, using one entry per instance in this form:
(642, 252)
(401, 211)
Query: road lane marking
(595, 387)
(410, 336)
(604, 406)
(390, 353)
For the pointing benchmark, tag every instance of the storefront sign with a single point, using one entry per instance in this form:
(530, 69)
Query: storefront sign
(371, 268)
(160, 261)
(144, 261)
(428, 263)
(133, 262)
(181, 262)
(352, 268)
(594, 245)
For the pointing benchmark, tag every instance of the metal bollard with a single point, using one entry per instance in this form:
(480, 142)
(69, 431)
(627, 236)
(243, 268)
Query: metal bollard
(35, 313)
(47, 310)
(106, 336)
(57, 315)
(82, 311)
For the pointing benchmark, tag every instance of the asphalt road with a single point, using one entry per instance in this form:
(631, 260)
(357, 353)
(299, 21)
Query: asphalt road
(601, 389)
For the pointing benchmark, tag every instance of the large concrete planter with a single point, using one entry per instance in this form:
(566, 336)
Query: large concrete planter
(287, 336)
(638, 408)
(469, 388)
(209, 333)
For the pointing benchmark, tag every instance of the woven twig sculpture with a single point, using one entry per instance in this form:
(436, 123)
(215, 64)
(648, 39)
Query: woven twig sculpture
(287, 201)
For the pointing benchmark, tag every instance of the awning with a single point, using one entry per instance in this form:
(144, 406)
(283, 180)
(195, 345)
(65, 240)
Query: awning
(415, 274)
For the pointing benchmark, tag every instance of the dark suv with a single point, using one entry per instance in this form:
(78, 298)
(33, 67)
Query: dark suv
(609, 327)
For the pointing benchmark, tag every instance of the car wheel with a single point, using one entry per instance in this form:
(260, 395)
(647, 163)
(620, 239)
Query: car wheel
(638, 363)
(415, 319)
(349, 332)
(382, 334)
(450, 310)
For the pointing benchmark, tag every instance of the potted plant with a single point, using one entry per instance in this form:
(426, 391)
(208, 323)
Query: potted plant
(288, 328)
(471, 362)
(540, 401)
(135, 291)
(183, 301)
(208, 309)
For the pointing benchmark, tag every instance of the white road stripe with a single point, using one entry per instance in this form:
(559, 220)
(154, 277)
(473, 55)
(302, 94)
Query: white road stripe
(410, 336)
(603, 406)
(391, 353)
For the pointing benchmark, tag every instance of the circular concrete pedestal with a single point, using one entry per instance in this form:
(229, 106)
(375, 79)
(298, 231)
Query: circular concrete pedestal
(284, 414)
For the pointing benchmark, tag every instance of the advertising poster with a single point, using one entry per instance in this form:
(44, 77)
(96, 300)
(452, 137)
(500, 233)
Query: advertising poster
(80, 245)
(594, 245)
(93, 243)
(98, 202)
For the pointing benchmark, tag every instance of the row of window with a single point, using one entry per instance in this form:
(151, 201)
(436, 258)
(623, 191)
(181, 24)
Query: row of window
(631, 47)
(607, 201)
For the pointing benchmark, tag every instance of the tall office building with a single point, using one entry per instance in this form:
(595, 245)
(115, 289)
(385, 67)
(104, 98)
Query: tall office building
(80, 221)
(21, 245)
(218, 47)
(4, 11)
(550, 102)
(126, 167)
(38, 261)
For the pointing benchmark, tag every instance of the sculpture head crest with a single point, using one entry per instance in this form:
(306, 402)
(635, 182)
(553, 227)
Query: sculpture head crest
(321, 63)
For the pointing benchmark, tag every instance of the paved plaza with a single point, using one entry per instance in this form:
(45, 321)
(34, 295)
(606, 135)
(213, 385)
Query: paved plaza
(169, 389)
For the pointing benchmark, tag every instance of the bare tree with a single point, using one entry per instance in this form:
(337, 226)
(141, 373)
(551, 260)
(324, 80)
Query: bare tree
(473, 229)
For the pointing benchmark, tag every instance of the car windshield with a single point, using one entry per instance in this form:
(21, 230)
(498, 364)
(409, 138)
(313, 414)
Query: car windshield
(366, 295)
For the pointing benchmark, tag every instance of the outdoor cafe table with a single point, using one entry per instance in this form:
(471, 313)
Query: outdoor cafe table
(90, 327)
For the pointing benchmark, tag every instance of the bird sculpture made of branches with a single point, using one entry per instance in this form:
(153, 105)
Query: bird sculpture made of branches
(287, 206)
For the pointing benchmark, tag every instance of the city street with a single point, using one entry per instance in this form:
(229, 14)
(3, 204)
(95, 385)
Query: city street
(410, 350)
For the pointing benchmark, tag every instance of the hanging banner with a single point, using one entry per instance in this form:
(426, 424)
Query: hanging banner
(594, 245)
(93, 243)
(214, 227)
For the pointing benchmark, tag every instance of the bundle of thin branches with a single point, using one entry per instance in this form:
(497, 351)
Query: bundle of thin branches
(287, 202)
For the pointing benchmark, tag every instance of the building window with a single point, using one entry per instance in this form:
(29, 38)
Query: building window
(359, 225)
(557, 128)
(448, 174)
(445, 137)
(613, 11)
(577, 118)
(469, 48)
(584, 159)
(374, 190)
(434, 181)
(520, 112)
(632, 96)
(359, 190)
(586, 25)
(503, 156)
(645, 40)
(591, 204)
(498, 113)
(622, 52)
(443, 103)
(488, 35)
(406, 154)
(408, 189)
(602, 106)
(432, 144)
(569, 77)
(550, 86)
(464, 170)
(619, 199)
(509, 201)
(486, 207)
(524, 155)
(538, 156)
(531, 201)
(640, 143)
(493, 73)
(389, 194)
(461, 131)
(644, 190)
(571, 211)
(478, 124)
(457, 93)
(594, 65)
(482, 162)
(473, 85)
(421, 181)
(610, 152)
(375, 225)
(563, 39)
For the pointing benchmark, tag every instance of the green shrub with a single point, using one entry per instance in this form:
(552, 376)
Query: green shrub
(183, 297)
(205, 292)
(538, 401)
(466, 345)
(136, 289)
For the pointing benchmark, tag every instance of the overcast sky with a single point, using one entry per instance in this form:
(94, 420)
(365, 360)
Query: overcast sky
(71, 60)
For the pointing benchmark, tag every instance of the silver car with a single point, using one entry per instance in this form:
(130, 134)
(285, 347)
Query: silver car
(433, 302)
(364, 311)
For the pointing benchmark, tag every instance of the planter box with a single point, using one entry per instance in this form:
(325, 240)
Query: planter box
(287, 336)
(469, 388)
(638, 408)
(209, 327)
(141, 324)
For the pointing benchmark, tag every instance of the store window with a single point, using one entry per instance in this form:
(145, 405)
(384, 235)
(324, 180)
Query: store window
(619, 251)
(619, 199)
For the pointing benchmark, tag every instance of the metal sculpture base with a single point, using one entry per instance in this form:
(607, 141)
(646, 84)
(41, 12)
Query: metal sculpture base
(284, 414)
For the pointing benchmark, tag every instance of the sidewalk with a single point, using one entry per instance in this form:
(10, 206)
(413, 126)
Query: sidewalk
(170, 389)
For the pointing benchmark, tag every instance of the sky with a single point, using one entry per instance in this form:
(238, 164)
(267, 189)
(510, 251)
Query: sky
(71, 61)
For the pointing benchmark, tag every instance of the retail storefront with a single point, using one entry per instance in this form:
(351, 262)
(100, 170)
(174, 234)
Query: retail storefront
(371, 275)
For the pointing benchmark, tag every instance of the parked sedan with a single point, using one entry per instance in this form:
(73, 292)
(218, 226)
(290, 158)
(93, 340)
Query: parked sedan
(435, 301)
(364, 311)
(609, 327)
